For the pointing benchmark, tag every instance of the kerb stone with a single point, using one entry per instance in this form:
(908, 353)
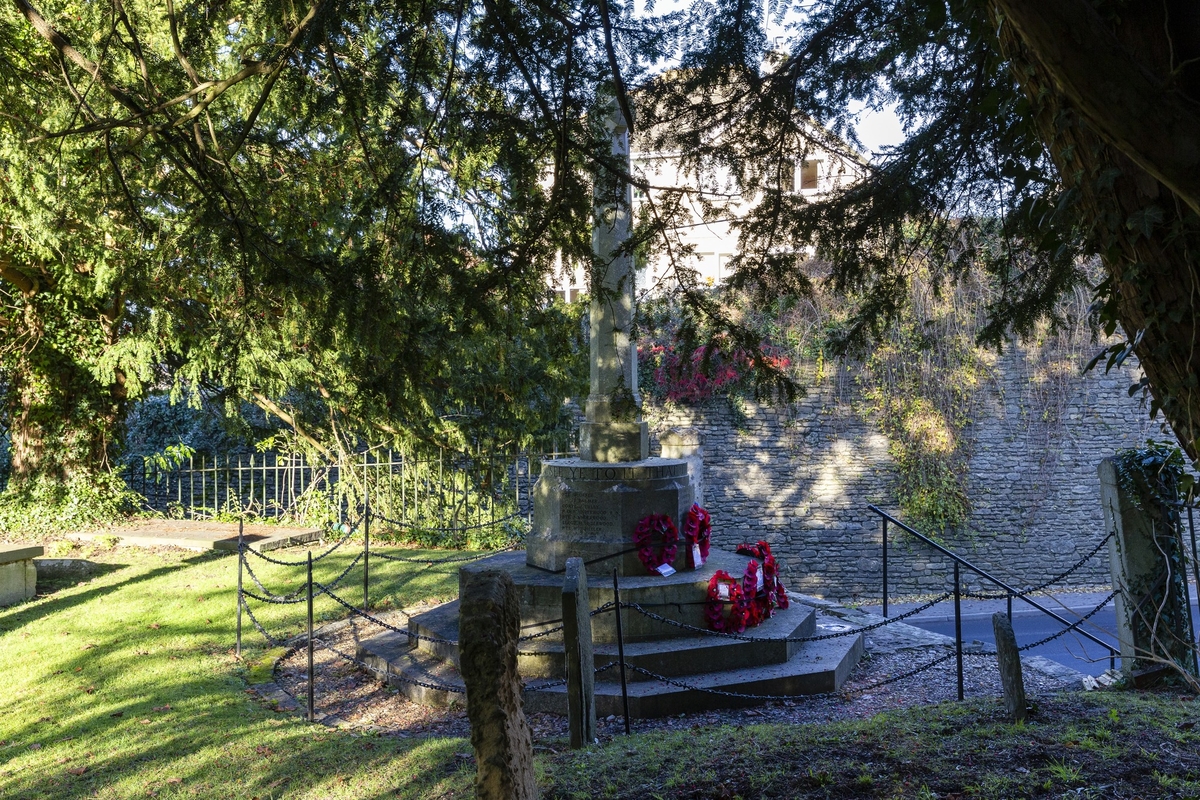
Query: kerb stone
(1008, 656)
(489, 625)
(577, 641)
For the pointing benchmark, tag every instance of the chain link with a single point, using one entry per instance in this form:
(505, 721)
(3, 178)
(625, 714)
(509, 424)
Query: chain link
(1044, 584)
(300, 595)
(271, 640)
(449, 560)
(410, 526)
(749, 696)
(817, 638)
(345, 536)
(1073, 625)
(388, 676)
(364, 615)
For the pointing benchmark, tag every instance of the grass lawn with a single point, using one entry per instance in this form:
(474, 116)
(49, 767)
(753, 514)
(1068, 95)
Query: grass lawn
(125, 685)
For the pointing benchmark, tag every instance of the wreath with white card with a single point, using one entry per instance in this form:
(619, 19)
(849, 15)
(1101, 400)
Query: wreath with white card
(658, 560)
(725, 590)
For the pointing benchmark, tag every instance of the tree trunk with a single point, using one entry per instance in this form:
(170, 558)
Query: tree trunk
(61, 418)
(1146, 233)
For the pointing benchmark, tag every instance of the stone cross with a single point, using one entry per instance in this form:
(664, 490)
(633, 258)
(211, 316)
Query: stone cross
(613, 430)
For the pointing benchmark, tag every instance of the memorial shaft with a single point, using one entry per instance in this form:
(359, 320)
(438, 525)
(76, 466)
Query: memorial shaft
(613, 430)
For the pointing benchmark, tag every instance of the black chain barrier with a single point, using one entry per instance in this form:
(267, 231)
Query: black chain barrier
(388, 677)
(750, 696)
(293, 598)
(816, 638)
(1025, 592)
(346, 534)
(410, 526)
(449, 560)
(1073, 626)
(357, 612)
(271, 640)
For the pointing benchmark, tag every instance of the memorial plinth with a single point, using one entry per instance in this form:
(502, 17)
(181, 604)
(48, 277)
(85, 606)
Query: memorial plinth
(589, 509)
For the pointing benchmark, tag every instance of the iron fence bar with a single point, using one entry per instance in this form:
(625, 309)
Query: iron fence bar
(1195, 567)
(979, 571)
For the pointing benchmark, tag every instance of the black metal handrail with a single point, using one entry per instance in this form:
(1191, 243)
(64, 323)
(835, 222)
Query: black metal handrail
(959, 560)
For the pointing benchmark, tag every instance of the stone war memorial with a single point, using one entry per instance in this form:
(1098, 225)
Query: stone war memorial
(631, 521)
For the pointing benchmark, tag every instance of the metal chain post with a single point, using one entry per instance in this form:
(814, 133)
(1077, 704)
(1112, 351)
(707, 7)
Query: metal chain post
(885, 570)
(621, 650)
(366, 540)
(958, 649)
(241, 560)
(311, 715)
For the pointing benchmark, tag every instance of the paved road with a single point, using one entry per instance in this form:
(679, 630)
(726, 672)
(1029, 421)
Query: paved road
(1030, 625)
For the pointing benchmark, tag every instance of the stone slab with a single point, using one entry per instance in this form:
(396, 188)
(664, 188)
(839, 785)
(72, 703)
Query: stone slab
(202, 535)
(672, 657)
(19, 552)
(18, 575)
(680, 596)
(818, 667)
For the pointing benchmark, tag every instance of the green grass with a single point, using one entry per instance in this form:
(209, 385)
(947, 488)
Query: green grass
(952, 750)
(125, 685)
(129, 679)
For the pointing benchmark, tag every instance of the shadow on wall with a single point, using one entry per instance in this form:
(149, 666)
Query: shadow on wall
(800, 477)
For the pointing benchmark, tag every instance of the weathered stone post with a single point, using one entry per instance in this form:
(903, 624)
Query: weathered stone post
(1008, 657)
(489, 625)
(614, 430)
(1152, 620)
(577, 638)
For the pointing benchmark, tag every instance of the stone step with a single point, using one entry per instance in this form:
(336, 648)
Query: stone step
(674, 656)
(818, 667)
(680, 596)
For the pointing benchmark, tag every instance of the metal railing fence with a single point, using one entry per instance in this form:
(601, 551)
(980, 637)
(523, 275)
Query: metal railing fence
(449, 492)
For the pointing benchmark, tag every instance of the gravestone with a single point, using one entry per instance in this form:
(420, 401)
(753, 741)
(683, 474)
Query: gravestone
(1152, 620)
(489, 624)
(1008, 657)
(580, 661)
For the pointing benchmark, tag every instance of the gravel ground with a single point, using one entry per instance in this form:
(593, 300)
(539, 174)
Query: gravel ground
(356, 698)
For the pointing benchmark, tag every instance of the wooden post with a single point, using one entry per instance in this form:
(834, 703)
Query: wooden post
(577, 639)
(1008, 656)
(489, 626)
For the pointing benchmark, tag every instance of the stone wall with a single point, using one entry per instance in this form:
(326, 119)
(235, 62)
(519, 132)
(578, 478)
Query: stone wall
(801, 478)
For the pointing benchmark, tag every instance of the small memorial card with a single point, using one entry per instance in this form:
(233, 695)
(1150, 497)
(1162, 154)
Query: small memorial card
(759, 588)
(697, 559)
(723, 591)
(666, 570)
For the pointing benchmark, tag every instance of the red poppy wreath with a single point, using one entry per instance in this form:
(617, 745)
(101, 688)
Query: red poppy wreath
(697, 535)
(724, 590)
(643, 540)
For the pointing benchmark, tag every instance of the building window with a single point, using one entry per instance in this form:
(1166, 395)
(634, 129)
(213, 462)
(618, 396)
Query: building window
(808, 174)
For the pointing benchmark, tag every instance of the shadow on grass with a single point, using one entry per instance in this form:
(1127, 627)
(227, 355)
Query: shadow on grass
(45, 605)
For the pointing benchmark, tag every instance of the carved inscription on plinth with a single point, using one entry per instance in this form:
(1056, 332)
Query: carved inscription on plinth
(586, 515)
